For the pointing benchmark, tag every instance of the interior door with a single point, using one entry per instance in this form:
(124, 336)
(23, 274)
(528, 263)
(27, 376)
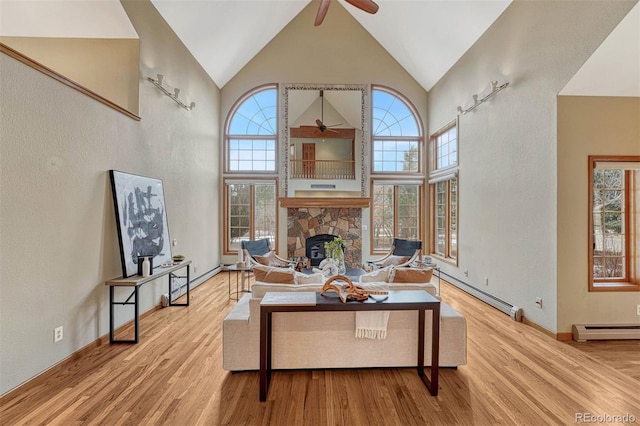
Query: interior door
(309, 160)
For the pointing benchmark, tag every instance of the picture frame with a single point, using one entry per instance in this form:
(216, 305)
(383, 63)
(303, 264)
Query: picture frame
(141, 218)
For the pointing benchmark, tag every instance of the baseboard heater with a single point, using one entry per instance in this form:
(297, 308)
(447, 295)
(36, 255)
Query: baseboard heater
(181, 287)
(584, 332)
(514, 312)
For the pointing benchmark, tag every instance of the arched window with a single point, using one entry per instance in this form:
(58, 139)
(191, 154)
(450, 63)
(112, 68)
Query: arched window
(251, 132)
(251, 135)
(397, 134)
(397, 145)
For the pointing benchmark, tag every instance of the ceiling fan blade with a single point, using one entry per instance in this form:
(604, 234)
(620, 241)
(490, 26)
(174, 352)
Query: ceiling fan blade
(368, 6)
(322, 11)
(319, 123)
(332, 130)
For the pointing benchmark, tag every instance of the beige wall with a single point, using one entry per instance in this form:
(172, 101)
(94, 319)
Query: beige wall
(508, 147)
(58, 241)
(108, 67)
(589, 126)
(339, 51)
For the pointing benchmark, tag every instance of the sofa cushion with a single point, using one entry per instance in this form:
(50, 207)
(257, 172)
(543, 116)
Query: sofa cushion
(302, 278)
(259, 288)
(410, 275)
(378, 275)
(269, 259)
(269, 274)
(394, 260)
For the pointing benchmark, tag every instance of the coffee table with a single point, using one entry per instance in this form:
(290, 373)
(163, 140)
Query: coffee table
(405, 300)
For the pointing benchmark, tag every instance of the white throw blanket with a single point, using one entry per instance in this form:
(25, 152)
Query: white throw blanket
(372, 325)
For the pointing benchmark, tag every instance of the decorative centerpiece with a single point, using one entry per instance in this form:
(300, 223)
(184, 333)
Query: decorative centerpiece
(348, 290)
(178, 258)
(335, 250)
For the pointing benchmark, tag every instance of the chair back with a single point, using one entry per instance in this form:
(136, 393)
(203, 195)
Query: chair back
(256, 247)
(406, 247)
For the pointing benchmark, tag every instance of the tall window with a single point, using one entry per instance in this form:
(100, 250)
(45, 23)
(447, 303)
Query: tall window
(397, 146)
(443, 187)
(445, 194)
(251, 212)
(251, 133)
(395, 213)
(396, 134)
(615, 192)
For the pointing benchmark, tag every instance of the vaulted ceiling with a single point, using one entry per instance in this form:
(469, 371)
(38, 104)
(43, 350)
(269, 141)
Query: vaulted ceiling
(426, 37)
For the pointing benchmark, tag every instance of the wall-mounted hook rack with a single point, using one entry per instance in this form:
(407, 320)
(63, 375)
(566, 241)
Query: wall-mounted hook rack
(494, 89)
(174, 95)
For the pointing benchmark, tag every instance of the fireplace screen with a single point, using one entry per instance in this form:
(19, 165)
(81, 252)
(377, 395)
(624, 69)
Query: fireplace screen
(315, 248)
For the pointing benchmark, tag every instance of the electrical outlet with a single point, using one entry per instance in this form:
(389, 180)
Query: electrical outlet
(466, 272)
(539, 302)
(174, 242)
(638, 310)
(486, 280)
(57, 334)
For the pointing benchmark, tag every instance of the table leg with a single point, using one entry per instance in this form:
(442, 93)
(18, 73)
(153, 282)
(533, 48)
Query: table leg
(137, 316)
(111, 313)
(264, 337)
(188, 282)
(435, 349)
(432, 383)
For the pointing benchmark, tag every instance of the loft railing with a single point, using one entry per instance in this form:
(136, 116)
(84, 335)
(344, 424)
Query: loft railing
(322, 169)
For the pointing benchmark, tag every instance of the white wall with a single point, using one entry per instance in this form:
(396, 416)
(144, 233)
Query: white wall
(58, 241)
(589, 126)
(339, 51)
(508, 152)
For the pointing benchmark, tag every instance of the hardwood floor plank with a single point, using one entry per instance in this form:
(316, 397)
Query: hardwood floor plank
(515, 375)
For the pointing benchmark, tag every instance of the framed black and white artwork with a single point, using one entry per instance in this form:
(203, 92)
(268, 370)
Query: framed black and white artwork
(141, 216)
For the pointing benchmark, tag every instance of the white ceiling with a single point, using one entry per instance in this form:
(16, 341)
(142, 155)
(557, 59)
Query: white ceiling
(613, 69)
(425, 36)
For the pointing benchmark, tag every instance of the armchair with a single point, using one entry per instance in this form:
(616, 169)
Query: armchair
(402, 253)
(259, 252)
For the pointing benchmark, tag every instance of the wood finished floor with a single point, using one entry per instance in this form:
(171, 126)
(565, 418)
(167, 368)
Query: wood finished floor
(514, 375)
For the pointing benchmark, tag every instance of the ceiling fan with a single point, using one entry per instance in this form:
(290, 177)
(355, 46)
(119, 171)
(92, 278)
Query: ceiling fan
(320, 127)
(368, 6)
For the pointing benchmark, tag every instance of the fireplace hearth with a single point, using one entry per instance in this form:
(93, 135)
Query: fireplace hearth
(307, 222)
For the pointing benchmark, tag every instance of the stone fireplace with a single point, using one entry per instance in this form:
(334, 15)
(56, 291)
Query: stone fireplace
(305, 222)
(314, 249)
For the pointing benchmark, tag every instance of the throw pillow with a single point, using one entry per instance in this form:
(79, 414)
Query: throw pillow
(302, 278)
(411, 275)
(379, 275)
(268, 259)
(394, 260)
(268, 274)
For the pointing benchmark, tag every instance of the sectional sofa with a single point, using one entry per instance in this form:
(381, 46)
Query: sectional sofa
(317, 340)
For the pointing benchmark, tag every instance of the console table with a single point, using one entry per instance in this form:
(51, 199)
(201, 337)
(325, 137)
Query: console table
(404, 300)
(136, 281)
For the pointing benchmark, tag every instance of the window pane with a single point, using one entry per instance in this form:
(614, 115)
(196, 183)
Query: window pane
(440, 219)
(393, 118)
(408, 212)
(609, 228)
(382, 217)
(265, 212)
(254, 124)
(453, 218)
(446, 145)
(238, 196)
